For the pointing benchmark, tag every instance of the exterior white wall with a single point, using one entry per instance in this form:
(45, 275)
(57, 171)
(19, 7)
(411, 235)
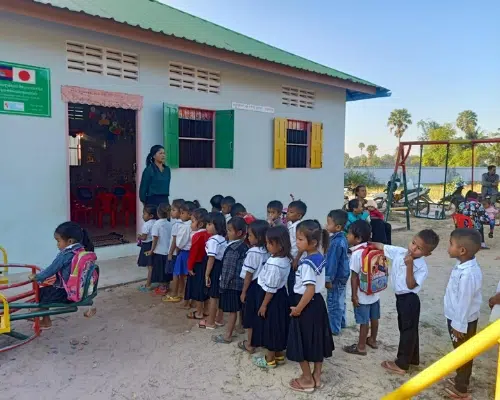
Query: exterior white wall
(33, 152)
(429, 175)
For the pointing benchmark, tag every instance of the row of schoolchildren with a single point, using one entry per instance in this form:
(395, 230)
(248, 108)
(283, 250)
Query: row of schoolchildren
(275, 276)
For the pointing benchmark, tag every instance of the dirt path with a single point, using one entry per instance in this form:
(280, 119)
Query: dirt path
(140, 348)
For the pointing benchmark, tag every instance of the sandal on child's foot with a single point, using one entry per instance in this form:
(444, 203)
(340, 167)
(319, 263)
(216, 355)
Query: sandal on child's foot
(455, 394)
(353, 349)
(220, 339)
(144, 288)
(243, 346)
(203, 325)
(192, 315)
(261, 362)
(90, 312)
(280, 360)
(370, 342)
(296, 386)
(490, 235)
(171, 299)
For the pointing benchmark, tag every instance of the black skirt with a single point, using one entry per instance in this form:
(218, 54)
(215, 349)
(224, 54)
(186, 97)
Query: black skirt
(144, 260)
(230, 301)
(52, 294)
(250, 307)
(158, 274)
(271, 332)
(196, 282)
(291, 283)
(310, 337)
(214, 289)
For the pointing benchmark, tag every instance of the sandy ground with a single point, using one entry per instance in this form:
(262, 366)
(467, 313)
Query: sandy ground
(140, 348)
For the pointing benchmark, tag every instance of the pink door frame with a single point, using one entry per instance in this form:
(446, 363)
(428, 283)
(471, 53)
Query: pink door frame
(95, 97)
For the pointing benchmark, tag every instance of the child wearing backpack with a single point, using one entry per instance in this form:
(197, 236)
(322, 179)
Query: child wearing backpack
(368, 278)
(408, 273)
(72, 241)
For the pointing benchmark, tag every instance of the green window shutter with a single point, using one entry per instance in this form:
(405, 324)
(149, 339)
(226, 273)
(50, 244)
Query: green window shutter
(224, 139)
(171, 134)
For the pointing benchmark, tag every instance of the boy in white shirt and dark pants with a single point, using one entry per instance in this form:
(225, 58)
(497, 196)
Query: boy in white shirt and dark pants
(462, 301)
(408, 271)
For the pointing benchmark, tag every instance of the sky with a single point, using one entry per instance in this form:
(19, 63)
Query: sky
(437, 57)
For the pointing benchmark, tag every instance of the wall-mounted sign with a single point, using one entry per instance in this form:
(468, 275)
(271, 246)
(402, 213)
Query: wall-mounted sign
(253, 107)
(24, 90)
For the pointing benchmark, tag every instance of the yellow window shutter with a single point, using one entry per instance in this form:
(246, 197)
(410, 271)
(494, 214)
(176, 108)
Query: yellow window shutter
(280, 125)
(317, 145)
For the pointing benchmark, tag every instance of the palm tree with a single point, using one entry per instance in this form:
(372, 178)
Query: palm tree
(398, 122)
(467, 123)
(371, 150)
(361, 146)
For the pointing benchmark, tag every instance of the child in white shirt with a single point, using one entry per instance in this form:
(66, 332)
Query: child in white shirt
(296, 211)
(161, 233)
(407, 273)
(462, 301)
(366, 307)
(146, 241)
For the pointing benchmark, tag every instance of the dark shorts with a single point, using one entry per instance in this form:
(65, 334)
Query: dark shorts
(51, 294)
(365, 312)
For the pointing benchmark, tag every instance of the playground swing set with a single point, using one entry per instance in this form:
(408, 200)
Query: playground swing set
(26, 305)
(403, 153)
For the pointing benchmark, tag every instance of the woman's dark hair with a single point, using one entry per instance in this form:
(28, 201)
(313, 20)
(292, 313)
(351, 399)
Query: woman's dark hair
(219, 222)
(71, 230)
(163, 210)
(356, 189)
(354, 203)
(361, 230)
(177, 203)
(201, 216)
(238, 224)
(259, 229)
(275, 205)
(151, 209)
(216, 201)
(151, 156)
(279, 235)
(189, 206)
(237, 208)
(312, 230)
(338, 216)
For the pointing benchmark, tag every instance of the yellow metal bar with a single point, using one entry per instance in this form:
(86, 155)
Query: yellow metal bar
(5, 318)
(4, 280)
(483, 341)
(497, 391)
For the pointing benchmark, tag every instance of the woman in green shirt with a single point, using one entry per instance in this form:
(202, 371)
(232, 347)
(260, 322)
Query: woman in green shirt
(155, 182)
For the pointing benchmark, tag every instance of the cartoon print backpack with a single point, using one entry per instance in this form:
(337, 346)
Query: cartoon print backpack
(374, 274)
(82, 264)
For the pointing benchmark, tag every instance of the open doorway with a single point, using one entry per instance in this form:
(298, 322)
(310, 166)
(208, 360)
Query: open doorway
(102, 165)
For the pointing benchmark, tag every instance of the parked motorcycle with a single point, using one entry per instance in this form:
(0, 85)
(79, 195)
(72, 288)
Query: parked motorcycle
(414, 193)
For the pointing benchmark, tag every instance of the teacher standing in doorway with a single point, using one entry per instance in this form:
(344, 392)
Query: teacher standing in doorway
(155, 182)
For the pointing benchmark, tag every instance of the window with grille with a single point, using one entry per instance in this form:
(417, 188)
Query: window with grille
(196, 138)
(297, 144)
(297, 97)
(193, 78)
(91, 59)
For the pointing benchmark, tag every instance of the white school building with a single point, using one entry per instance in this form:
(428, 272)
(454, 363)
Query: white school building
(86, 89)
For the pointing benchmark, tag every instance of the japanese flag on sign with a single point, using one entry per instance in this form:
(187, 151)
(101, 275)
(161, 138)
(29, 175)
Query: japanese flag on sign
(24, 75)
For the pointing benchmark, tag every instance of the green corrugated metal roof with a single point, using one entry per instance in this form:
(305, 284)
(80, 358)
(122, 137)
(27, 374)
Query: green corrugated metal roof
(160, 18)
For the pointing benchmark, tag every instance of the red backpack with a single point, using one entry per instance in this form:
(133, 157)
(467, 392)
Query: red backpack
(374, 273)
(82, 265)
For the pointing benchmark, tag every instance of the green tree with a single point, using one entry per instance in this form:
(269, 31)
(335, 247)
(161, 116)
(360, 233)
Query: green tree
(361, 146)
(346, 159)
(425, 126)
(363, 161)
(387, 160)
(398, 122)
(435, 155)
(371, 149)
(467, 123)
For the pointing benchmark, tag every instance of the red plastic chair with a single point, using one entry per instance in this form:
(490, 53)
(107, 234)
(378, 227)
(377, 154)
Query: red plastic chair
(129, 204)
(462, 221)
(106, 204)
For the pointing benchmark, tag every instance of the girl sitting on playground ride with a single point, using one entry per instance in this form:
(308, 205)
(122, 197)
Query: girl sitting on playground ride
(69, 237)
